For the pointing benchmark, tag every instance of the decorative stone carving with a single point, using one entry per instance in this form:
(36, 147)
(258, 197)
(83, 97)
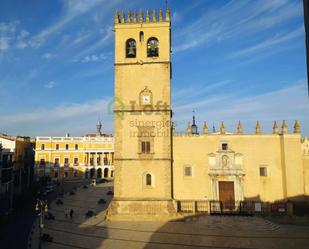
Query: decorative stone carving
(145, 97)
(225, 161)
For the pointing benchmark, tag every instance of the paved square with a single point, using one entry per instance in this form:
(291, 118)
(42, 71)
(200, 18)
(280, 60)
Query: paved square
(198, 232)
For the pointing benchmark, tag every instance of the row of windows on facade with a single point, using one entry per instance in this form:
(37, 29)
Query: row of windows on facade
(152, 47)
(76, 162)
(188, 173)
(145, 147)
(57, 146)
(75, 174)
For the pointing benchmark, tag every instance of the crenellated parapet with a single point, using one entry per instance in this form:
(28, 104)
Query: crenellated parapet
(149, 16)
(240, 131)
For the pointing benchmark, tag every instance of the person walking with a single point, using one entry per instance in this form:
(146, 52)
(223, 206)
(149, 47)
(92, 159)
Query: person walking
(71, 213)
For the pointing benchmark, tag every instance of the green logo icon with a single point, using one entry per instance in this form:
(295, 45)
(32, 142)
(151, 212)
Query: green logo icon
(119, 112)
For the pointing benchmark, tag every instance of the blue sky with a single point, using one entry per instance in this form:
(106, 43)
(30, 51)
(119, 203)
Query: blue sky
(232, 60)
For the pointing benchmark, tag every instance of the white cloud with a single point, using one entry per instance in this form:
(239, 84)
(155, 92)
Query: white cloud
(198, 90)
(176, 17)
(200, 104)
(21, 40)
(92, 58)
(8, 27)
(7, 34)
(269, 43)
(50, 84)
(81, 36)
(234, 20)
(78, 118)
(289, 103)
(4, 43)
(72, 10)
(11, 37)
(106, 36)
(48, 56)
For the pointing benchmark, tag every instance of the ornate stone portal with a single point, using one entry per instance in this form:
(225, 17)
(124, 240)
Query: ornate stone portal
(226, 165)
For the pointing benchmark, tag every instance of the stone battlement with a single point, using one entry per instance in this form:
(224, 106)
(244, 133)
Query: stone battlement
(239, 129)
(153, 17)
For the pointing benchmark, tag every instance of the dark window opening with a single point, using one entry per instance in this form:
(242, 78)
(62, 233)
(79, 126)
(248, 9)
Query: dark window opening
(66, 146)
(152, 47)
(76, 146)
(263, 171)
(224, 146)
(57, 146)
(130, 48)
(145, 147)
(42, 146)
(141, 36)
(188, 171)
(148, 180)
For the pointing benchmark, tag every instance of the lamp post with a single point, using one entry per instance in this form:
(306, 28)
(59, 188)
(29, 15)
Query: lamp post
(41, 207)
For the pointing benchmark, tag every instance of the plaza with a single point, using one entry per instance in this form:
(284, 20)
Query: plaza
(192, 232)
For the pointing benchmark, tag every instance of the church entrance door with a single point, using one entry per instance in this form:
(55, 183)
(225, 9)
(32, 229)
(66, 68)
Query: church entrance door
(227, 195)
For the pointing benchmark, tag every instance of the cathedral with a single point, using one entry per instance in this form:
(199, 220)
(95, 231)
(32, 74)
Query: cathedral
(160, 173)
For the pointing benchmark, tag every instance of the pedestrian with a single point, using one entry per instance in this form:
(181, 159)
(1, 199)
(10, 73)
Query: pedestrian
(66, 211)
(71, 213)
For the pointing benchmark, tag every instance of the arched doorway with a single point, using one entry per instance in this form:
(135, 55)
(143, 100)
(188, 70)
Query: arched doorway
(105, 172)
(92, 173)
(99, 173)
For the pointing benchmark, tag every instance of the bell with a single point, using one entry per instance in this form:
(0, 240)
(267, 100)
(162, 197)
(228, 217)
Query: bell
(131, 51)
(153, 48)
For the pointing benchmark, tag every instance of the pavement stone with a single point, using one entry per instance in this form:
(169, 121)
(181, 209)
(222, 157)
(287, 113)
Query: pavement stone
(232, 232)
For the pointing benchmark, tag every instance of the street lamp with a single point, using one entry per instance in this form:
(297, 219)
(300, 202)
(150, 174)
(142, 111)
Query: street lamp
(41, 207)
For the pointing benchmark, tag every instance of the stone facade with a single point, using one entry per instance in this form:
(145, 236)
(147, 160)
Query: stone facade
(142, 90)
(90, 156)
(240, 163)
(157, 170)
(305, 152)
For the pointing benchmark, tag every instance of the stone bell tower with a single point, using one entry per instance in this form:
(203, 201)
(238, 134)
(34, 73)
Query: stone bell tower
(142, 117)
